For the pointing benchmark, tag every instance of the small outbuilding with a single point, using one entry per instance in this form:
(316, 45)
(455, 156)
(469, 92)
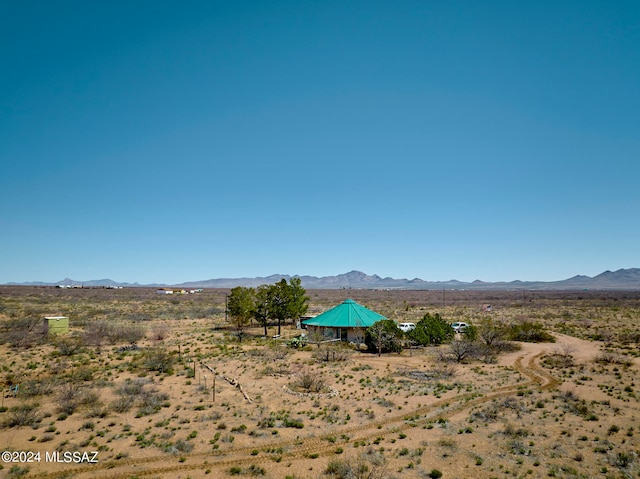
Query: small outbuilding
(347, 321)
(56, 325)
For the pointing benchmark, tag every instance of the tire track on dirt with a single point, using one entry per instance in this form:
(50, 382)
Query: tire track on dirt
(302, 448)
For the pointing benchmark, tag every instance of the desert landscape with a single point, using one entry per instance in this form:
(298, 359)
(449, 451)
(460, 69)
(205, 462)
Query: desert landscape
(148, 385)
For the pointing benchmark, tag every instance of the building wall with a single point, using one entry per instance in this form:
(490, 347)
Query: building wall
(345, 334)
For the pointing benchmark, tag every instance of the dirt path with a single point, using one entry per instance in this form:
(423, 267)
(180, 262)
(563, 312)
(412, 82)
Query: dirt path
(525, 362)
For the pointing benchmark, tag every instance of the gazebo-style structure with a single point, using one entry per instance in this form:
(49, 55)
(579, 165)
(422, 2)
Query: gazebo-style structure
(346, 321)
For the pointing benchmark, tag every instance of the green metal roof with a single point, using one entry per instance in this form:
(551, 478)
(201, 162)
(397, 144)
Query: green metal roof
(348, 314)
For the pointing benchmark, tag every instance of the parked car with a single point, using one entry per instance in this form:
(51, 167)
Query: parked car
(459, 326)
(406, 327)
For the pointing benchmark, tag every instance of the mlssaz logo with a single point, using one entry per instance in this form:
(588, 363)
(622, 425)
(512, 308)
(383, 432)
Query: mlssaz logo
(69, 457)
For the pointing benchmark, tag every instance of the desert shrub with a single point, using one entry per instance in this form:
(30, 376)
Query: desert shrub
(309, 381)
(151, 401)
(132, 388)
(529, 332)
(512, 431)
(607, 357)
(506, 347)
(370, 465)
(68, 346)
(276, 369)
(159, 331)
(24, 414)
(96, 333)
(573, 404)
(622, 460)
(126, 333)
(487, 414)
(96, 410)
(37, 387)
(627, 337)
(69, 395)
(431, 330)
(24, 332)
(183, 446)
(82, 374)
(158, 360)
(129, 393)
(121, 404)
(90, 398)
(559, 361)
(293, 423)
(497, 408)
(17, 471)
(442, 372)
(254, 470)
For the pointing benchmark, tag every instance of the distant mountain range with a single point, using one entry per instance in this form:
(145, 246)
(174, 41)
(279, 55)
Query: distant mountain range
(623, 279)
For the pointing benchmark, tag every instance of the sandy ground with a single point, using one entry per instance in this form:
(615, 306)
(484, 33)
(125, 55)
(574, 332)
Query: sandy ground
(394, 406)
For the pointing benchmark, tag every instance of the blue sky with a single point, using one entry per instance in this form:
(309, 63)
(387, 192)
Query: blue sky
(155, 141)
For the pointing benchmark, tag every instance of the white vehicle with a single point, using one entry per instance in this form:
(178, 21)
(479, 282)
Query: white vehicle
(406, 327)
(459, 327)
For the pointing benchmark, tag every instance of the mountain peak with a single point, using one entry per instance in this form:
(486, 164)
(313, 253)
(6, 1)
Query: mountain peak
(622, 279)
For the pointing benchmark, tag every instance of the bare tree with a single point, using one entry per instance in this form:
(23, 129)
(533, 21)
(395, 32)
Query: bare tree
(463, 349)
(490, 331)
(24, 332)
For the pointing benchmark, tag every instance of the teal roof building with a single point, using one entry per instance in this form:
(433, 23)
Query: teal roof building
(343, 320)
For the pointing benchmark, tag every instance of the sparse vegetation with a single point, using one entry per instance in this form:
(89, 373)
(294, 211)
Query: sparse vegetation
(565, 409)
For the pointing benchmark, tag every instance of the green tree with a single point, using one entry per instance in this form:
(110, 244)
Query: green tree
(262, 311)
(280, 301)
(298, 299)
(432, 330)
(241, 307)
(384, 336)
(470, 333)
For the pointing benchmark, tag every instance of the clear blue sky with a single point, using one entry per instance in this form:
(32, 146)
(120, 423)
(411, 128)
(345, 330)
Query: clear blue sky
(154, 141)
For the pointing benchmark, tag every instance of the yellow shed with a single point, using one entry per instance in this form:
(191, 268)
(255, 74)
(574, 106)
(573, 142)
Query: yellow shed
(56, 325)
